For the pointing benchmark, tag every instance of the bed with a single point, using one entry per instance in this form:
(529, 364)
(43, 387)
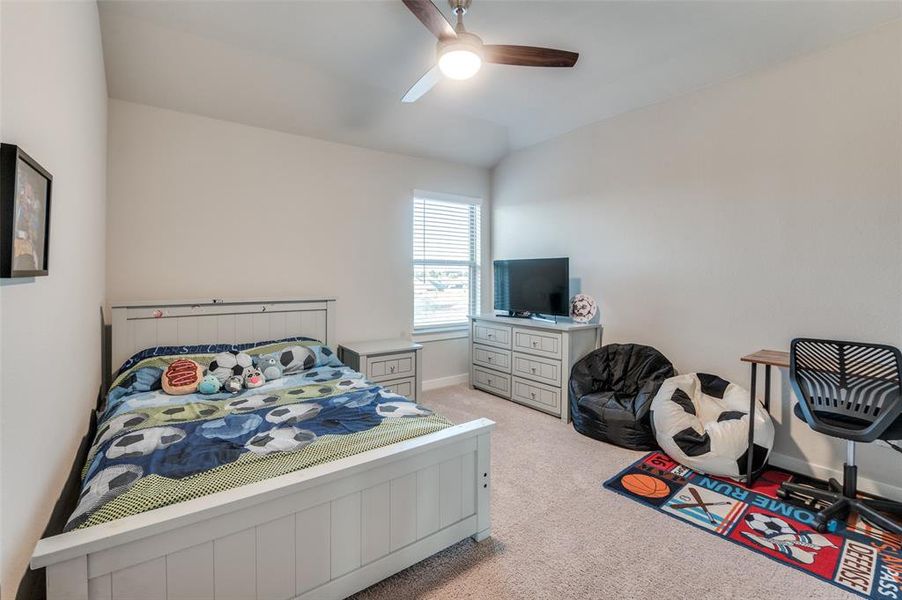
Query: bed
(369, 483)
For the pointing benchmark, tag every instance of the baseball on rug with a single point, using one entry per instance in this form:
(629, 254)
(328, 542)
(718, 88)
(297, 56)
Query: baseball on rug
(857, 557)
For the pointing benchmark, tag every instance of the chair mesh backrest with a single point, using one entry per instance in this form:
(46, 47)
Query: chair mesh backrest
(855, 382)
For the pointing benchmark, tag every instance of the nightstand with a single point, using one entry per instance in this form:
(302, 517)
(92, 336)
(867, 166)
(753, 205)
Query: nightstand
(394, 364)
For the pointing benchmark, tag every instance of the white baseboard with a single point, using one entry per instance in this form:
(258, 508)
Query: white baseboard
(865, 484)
(440, 382)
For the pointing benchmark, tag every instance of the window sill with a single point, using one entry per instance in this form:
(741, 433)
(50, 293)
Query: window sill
(441, 334)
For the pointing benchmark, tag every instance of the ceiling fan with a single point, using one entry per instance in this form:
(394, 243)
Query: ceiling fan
(461, 54)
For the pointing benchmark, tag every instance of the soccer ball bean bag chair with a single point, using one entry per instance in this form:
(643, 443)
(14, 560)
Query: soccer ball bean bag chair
(611, 390)
(702, 421)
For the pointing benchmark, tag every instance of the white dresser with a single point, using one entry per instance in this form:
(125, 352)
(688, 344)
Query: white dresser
(393, 364)
(528, 361)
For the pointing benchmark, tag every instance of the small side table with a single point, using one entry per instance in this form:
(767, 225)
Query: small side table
(768, 358)
(396, 365)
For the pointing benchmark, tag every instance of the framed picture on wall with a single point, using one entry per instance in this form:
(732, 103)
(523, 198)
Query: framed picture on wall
(25, 188)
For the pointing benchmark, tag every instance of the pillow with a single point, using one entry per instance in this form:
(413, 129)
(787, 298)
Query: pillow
(182, 377)
(295, 359)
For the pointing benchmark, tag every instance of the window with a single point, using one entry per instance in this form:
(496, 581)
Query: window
(446, 257)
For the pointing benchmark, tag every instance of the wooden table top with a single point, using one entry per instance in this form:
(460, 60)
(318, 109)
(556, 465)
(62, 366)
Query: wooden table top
(774, 358)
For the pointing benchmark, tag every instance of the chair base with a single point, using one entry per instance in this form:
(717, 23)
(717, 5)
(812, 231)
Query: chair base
(842, 501)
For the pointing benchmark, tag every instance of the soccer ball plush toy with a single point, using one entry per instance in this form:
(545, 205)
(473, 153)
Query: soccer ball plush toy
(702, 421)
(230, 364)
(295, 359)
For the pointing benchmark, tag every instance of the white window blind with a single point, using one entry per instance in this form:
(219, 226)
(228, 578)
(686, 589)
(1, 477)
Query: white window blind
(446, 256)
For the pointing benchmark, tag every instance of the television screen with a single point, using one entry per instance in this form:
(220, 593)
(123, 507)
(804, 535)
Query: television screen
(537, 285)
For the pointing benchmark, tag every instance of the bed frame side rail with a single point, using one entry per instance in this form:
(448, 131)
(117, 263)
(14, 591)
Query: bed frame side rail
(323, 532)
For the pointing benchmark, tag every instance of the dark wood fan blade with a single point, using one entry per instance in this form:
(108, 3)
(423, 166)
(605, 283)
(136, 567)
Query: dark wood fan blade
(529, 56)
(430, 16)
(423, 85)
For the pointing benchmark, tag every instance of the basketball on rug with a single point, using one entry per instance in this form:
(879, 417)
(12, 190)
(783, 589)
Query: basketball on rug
(857, 557)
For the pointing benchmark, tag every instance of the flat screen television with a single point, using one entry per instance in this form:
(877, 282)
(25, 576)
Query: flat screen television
(533, 286)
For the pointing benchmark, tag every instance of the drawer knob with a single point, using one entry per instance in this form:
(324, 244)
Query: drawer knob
(533, 369)
(533, 394)
(489, 359)
(490, 382)
(489, 335)
(535, 342)
(392, 369)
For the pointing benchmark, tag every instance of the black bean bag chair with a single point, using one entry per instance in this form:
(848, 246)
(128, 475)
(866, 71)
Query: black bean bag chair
(611, 390)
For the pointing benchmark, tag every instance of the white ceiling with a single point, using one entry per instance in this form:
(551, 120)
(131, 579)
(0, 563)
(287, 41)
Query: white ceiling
(336, 70)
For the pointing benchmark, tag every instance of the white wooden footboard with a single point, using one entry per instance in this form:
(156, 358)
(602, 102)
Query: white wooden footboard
(323, 532)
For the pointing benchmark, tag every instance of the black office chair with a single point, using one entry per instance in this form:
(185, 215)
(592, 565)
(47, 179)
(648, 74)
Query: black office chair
(852, 391)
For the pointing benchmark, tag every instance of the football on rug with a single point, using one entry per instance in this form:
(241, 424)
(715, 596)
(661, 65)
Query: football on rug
(857, 557)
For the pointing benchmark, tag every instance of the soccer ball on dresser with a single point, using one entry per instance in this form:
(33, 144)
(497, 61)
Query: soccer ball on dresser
(702, 421)
(583, 308)
(228, 364)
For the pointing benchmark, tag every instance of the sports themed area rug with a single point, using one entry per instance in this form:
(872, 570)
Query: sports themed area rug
(857, 557)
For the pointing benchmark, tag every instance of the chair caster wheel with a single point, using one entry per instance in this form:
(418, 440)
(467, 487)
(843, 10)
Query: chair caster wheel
(782, 494)
(820, 526)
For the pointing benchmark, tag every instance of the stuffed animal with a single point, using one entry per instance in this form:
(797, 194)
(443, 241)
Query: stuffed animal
(270, 366)
(253, 378)
(233, 384)
(229, 364)
(209, 385)
(182, 377)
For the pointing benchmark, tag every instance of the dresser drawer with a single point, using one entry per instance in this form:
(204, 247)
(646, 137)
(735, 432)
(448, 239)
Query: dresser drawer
(543, 343)
(537, 395)
(391, 366)
(540, 369)
(497, 383)
(492, 357)
(492, 334)
(406, 387)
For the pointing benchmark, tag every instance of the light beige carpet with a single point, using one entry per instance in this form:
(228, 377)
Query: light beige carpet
(556, 533)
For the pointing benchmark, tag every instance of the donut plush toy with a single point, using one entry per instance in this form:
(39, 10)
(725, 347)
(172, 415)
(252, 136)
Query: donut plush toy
(182, 377)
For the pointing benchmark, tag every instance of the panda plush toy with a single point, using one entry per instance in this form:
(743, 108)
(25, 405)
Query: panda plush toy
(702, 421)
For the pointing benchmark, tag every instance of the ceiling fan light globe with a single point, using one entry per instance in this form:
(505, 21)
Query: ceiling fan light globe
(460, 63)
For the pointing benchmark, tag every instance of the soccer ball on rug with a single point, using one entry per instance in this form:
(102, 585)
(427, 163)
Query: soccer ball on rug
(702, 421)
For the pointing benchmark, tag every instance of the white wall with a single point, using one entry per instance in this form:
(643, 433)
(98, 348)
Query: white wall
(202, 208)
(54, 105)
(735, 218)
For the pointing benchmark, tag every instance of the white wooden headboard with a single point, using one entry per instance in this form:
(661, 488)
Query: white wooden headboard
(140, 325)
